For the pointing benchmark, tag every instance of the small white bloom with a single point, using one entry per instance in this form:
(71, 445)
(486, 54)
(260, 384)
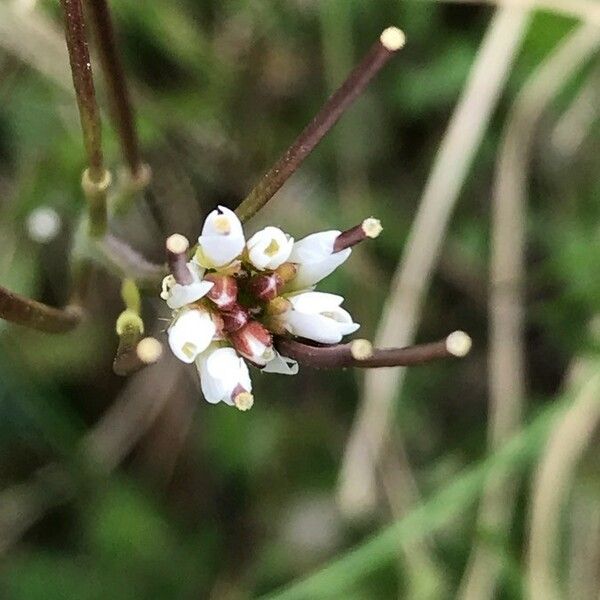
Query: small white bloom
(191, 333)
(223, 376)
(281, 364)
(317, 316)
(222, 239)
(177, 295)
(269, 248)
(315, 258)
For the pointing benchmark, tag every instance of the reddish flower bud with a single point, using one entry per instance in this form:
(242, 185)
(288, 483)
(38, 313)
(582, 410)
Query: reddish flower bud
(254, 342)
(234, 318)
(265, 287)
(224, 291)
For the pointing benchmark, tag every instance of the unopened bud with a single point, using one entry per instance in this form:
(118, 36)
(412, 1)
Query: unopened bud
(254, 342)
(265, 287)
(234, 318)
(224, 291)
(278, 306)
(287, 271)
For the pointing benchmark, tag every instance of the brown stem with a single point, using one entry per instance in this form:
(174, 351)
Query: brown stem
(30, 313)
(389, 42)
(369, 228)
(83, 82)
(342, 355)
(133, 355)
(177, 247)
(121, 108)
(126, 360)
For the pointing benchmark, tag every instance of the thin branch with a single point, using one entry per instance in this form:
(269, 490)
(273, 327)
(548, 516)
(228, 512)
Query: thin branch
(457, 344)
(413, 274)
(81, 69)
(134, 354)
(390, 41)
(35, 315)
(96, 179)
(121, 107)
(177, 246)
(507, 277)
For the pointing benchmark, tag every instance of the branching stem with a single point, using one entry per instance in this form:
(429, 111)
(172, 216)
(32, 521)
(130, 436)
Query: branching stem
(36, 315)
(342, 355)
(390, 41)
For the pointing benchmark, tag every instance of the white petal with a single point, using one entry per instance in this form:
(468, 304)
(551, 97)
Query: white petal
(315, 302)
(313, 327)
(222, 238)
(221, 370)
(314, 247)
(214, 221)
(190, 334)
(281, 365)
(269, 248)
(310, 273)
(180, 295)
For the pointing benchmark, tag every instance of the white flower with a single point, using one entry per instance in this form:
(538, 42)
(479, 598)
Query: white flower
(269, 248)
(191, 333)
(222, 239)
(317, 316)
(224, 377)
(177, 295)
(315, 258)
(282, 365)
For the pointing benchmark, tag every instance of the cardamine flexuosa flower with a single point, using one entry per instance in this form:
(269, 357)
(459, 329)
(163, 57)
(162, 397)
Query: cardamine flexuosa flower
(234, 295)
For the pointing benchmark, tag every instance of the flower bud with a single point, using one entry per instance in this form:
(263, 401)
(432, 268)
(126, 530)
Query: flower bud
(224, 377)
(254, 342)
(190, 334)
(222, 239)
(315, 259)
(224, 291)
(317, 316)
(265, 287)
(234, 318)
(269, 248)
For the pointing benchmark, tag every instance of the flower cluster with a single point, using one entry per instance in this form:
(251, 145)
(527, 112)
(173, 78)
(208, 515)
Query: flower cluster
(234, 295)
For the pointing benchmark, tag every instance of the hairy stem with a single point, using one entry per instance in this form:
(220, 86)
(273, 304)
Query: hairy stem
(391, 40)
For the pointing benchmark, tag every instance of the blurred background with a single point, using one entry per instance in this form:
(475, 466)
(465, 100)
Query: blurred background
(486, 127)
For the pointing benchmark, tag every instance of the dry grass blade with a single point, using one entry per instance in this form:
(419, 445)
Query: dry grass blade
(585, 10)
(37, 42)
(412, 277)
(506, 353)
(552, 483)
